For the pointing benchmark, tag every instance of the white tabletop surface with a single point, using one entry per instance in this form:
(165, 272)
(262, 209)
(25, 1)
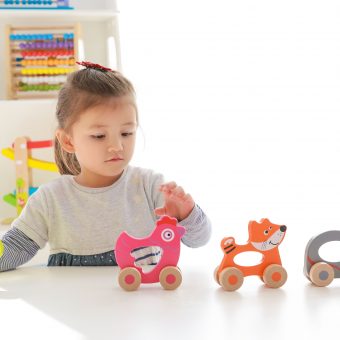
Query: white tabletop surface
(39, 302)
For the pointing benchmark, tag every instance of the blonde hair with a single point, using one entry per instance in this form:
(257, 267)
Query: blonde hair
(84, 89)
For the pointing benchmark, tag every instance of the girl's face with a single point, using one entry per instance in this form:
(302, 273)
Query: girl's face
(103, 139)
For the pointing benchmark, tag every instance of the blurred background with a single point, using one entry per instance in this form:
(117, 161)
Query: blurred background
(239, 104)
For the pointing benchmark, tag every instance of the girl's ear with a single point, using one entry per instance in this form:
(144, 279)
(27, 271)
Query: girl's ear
(65, 140)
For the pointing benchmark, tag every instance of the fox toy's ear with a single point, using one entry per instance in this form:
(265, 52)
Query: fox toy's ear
(251, 226)
(265, 221)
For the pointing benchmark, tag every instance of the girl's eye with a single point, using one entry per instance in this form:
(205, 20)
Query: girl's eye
(126, 134)
(98, 136)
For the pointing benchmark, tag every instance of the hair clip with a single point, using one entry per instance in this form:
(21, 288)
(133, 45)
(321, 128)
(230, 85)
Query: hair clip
(88, 64)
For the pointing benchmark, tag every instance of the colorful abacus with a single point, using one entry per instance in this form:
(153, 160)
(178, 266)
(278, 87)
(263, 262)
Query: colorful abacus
(35, 4)
(40, 59)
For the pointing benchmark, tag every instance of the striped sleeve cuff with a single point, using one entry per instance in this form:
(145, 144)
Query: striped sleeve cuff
(198, 228)
(17, 249)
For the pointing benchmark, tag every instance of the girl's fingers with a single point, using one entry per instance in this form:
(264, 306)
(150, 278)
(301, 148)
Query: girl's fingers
(171, 184)
(172, 189)
(168, 187)
(176, 195)
(187, 198)
(160, 211)
(179, 192)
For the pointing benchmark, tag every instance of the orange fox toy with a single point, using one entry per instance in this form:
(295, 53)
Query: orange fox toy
(264, 237)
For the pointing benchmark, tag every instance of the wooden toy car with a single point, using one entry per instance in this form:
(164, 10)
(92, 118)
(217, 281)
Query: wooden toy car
(317, 270)
(167, 235)
(264, 237)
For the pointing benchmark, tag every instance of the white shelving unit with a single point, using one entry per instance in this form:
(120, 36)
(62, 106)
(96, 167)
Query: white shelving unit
(56, 15)
(98, 42)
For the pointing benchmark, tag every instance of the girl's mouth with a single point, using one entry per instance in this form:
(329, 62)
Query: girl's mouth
(114, 160)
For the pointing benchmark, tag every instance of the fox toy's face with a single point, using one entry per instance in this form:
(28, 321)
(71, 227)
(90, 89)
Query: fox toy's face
(266, 235)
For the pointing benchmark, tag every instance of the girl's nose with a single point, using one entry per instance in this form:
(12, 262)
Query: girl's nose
(115, 146)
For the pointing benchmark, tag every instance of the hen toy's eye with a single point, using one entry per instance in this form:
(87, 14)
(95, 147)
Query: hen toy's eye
(167, 235)
(266, 232)
(270, 228)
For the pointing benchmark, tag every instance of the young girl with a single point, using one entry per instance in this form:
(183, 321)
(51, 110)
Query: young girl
(99, 194)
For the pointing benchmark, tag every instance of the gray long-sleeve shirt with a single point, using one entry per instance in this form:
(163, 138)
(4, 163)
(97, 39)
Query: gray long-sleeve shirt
(79, 220)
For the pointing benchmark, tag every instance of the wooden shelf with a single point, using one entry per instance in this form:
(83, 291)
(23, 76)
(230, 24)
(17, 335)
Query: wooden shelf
(58, 15)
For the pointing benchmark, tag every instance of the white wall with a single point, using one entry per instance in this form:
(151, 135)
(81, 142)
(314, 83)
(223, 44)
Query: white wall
(239, 102)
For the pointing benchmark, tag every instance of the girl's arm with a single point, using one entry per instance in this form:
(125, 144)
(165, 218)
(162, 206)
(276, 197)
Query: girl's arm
(177, 203)
(198, 228)
(17, 249)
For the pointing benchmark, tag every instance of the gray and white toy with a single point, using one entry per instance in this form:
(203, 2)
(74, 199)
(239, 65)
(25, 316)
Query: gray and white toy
(316, 269)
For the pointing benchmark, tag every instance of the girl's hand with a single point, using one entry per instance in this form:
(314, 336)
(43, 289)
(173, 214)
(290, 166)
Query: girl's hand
(177, 203)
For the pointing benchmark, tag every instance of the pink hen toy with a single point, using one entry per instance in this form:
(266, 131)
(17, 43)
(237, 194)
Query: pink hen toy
(167, 236)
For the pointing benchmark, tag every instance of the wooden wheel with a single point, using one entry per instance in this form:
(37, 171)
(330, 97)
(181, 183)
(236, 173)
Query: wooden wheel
(231, 278)
(321, 274)
(215, 275)
(170, 278)
(274, 276)
(129, 278)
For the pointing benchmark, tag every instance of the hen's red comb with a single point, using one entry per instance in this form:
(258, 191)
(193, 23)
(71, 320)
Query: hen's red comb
(166, 220)
(88, 64)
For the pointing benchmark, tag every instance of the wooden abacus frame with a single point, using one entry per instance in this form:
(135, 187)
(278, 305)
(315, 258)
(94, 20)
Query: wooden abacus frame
(14, 71)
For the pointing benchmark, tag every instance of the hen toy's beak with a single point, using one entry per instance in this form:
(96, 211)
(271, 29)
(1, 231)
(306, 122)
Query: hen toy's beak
(181, 230)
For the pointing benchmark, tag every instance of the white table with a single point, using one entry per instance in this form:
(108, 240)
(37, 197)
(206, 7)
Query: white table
(39, 302)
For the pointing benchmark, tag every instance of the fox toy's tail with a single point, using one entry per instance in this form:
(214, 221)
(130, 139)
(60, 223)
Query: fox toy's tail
(228, 245)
